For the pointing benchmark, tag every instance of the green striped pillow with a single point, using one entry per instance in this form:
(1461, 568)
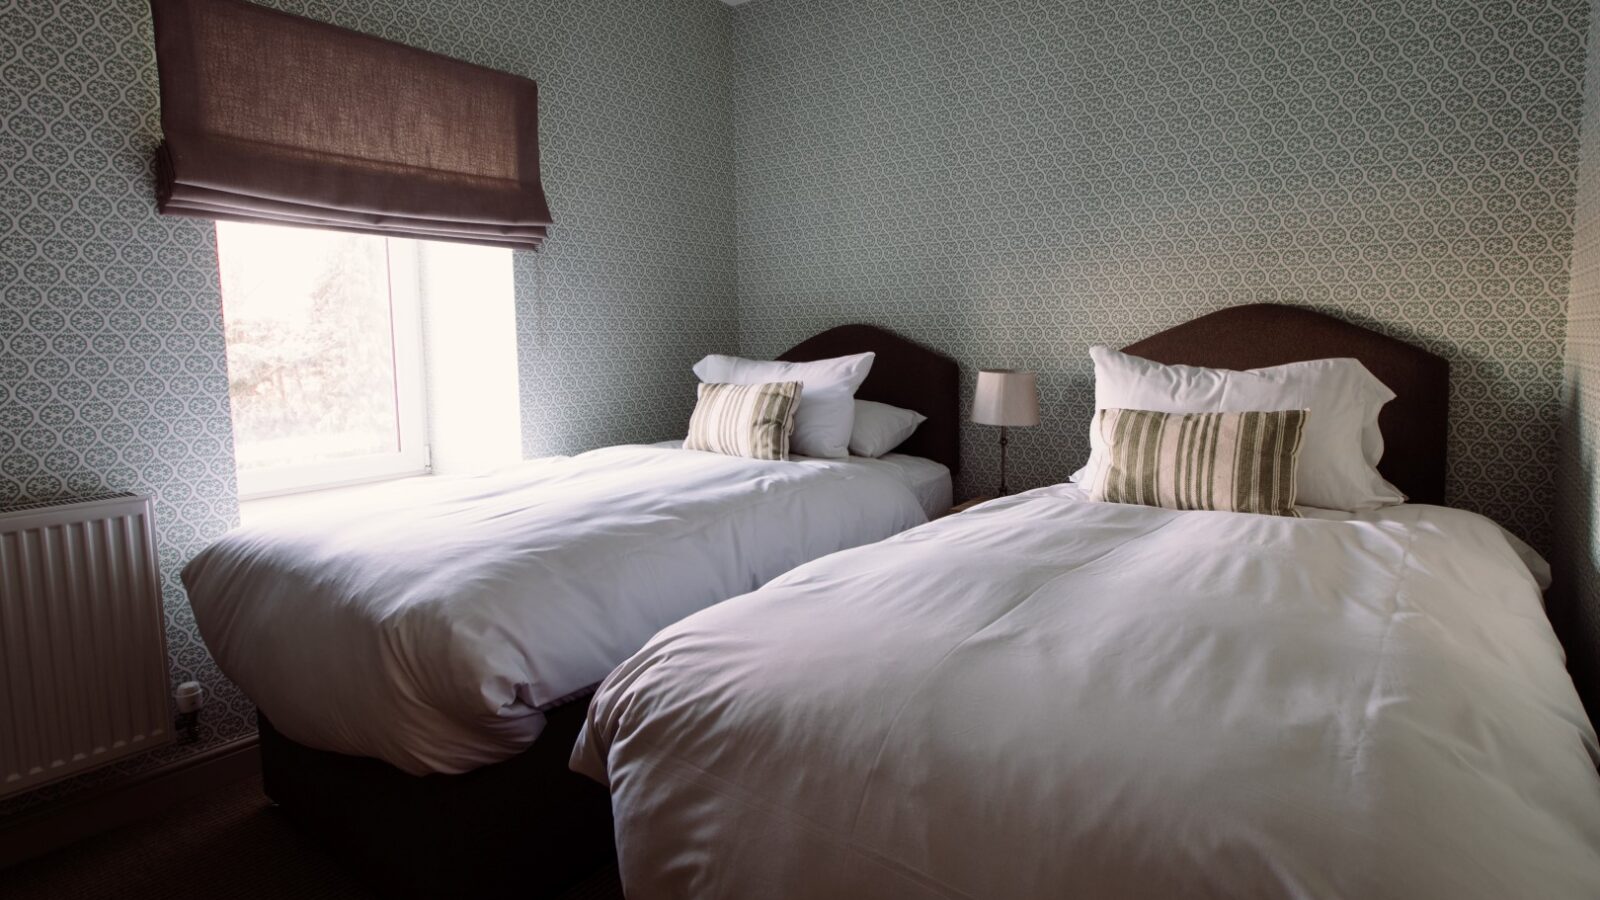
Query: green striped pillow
(1235, 462)
(753, 420)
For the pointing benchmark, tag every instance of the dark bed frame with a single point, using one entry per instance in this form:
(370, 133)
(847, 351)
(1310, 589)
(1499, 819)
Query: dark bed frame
(529, 826)
(904, 374)
(1414, 423)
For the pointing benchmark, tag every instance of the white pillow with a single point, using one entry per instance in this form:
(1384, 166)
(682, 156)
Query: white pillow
(880, 427)
(827, 411)
(1342, 440)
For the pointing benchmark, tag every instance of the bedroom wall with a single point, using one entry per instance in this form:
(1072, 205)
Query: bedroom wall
(1013, 180)
(111, 357)
(1575, 602)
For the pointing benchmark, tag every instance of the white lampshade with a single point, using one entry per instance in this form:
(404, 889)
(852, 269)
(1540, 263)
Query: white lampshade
(1006, 397)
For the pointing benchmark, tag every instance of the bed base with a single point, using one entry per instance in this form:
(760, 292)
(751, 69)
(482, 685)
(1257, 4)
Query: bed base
(526, 827)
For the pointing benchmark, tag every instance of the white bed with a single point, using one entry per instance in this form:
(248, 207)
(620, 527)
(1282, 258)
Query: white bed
(428, 623)
(927, 480)
(1052, 697)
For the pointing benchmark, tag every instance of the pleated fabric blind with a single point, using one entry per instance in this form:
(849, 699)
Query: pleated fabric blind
(271, 117)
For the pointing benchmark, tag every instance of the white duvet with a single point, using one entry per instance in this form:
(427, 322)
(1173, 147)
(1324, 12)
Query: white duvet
(426, 623)
(1048, 697)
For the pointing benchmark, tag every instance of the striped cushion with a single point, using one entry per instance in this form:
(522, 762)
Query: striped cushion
(753, 420)
(1235, 462)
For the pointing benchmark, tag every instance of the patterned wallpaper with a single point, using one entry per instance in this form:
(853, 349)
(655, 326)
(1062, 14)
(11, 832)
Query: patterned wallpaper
(111, 357)
(1575, 603)
(1013, 180)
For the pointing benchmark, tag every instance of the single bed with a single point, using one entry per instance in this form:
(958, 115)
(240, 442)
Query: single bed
(418, 703)
(430, 623)
(1049, 696)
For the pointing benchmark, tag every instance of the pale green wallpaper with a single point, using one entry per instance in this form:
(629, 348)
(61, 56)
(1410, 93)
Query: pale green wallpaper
(111, 358)
(1013, 180)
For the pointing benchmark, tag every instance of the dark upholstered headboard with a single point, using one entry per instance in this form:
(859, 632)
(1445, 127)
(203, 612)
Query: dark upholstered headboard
(1266, 334)
(904, 374)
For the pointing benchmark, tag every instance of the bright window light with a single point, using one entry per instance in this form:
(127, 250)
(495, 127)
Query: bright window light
(325, 366)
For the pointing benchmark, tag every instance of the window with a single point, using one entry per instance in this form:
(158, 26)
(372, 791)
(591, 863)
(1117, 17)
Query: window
(324, 357)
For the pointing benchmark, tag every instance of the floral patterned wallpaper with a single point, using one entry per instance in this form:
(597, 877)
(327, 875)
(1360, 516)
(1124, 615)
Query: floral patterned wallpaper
(1014, 180)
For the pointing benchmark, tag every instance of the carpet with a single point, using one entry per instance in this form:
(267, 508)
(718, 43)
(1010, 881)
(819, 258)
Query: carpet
(230, 843)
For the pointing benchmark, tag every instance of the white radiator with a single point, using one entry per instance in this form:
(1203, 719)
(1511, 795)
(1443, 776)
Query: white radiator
(83, 657)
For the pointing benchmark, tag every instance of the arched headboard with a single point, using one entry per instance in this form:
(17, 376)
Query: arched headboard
(1414, 424)
(904, 374)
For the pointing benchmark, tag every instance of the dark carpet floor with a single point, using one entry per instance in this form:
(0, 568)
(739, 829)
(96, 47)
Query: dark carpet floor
(229, 843)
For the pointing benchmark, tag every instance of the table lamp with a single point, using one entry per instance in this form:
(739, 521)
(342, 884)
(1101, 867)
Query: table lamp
(1007, 398)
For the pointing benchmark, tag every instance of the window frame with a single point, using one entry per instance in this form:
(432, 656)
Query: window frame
(411, 407)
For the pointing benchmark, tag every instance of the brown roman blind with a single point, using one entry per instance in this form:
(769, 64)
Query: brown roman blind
(270, 117)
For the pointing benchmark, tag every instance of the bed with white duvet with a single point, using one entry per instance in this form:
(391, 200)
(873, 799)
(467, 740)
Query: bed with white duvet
(1051, 697)
(429, 623)
(1174, 681)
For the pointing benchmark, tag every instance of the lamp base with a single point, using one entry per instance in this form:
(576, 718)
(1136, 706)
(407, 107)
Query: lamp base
(1004, 440)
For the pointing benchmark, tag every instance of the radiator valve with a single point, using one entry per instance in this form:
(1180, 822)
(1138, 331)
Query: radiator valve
(189, 696)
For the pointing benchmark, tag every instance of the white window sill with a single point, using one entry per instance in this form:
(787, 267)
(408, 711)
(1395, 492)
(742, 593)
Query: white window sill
(257, 508)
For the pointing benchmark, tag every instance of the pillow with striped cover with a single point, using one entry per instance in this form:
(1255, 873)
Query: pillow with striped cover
(1229, 461)
(753, 420)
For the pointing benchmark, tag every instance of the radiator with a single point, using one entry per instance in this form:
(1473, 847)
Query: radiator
(83, 658)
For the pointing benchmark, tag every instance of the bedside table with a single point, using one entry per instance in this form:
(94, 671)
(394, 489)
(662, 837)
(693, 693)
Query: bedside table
(965, 505)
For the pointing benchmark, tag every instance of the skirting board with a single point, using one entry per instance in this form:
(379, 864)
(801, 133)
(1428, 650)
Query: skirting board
(151, 794)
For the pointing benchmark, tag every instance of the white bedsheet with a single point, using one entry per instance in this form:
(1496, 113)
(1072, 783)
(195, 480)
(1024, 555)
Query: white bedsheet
(929, 481)
(425, 623)
(1048, 697)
